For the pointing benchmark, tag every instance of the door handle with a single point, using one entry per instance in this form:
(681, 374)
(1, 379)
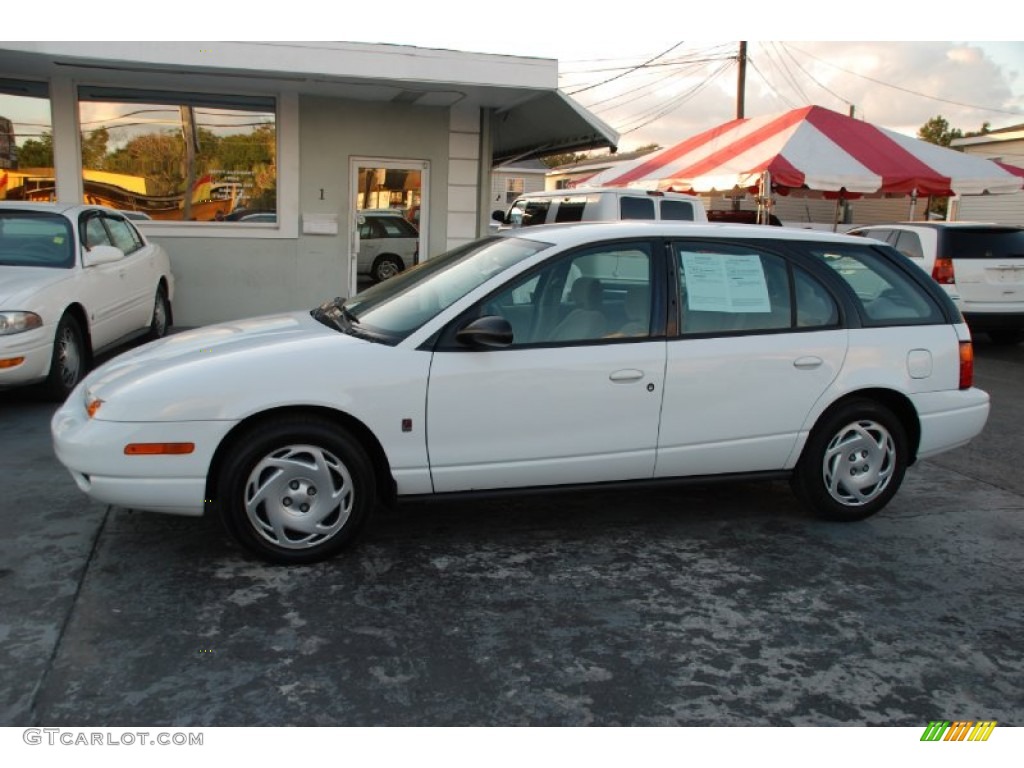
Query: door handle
(807, 363)
(626, 375)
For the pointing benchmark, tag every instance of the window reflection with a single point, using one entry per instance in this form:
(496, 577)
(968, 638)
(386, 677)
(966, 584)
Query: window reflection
(180, 158)
(26, 142)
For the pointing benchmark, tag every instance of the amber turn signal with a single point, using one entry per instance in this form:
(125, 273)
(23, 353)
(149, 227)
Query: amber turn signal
(966, 365)
(11, 362)
(158, 449)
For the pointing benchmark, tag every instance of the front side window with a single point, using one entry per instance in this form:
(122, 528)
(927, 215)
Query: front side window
(730, 289)
(885, 294)
(178, 157)
(601, 293)
(26, 142)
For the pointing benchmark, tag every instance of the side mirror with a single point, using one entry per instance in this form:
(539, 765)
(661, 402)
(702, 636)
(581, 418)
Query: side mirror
(101, 254)
(489, 332)
(498, 216)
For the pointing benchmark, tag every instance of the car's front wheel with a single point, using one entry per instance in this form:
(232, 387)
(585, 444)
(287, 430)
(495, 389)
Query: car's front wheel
(295, 490)
(853, 463)
(68, 360)
(386, 266)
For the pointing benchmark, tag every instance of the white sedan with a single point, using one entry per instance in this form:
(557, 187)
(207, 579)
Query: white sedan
(74, 280)
(561, 356)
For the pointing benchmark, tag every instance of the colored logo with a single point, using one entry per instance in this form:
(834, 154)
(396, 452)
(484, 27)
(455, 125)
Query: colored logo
(958, 730)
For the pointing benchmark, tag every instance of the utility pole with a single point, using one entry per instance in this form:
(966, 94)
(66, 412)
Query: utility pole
(741, 83)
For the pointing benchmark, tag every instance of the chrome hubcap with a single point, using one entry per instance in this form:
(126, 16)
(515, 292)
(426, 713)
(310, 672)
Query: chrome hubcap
(859, 463)
(299, 496)
(68, 358)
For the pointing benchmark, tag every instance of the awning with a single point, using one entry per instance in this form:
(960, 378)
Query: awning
(547, 124)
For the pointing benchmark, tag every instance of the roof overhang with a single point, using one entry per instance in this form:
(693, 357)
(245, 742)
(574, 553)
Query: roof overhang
(548, 123)
(531, 116)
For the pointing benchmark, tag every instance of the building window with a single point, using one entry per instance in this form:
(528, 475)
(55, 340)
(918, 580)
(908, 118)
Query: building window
(514, 188)
(26, 142)
(179, 156)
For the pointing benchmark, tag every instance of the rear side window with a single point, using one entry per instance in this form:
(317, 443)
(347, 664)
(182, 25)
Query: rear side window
(676, 210)
(990, 243)
(732, 289)
(526, 213)
(570, 211)
(636, 208)
(885, 294)
(396, 226)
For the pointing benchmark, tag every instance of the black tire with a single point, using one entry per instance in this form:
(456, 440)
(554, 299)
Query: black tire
(1006, 337)
(161, 320)
(386, 266)
(69, 360)
(853, 463)
(295, 490)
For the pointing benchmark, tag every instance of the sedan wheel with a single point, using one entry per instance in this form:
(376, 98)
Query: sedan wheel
(296, 491)
(68, 361)
(853, 463)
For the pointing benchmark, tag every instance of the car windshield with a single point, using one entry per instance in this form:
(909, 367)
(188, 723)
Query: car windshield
(35, 239)
(391, 310)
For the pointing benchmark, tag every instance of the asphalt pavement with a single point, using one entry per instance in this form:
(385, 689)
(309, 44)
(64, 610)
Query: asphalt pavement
(718, 605)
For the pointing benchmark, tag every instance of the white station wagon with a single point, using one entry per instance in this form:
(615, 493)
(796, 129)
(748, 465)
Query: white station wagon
(555, 356)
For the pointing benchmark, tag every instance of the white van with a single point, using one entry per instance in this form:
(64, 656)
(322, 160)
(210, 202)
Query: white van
(599, 204)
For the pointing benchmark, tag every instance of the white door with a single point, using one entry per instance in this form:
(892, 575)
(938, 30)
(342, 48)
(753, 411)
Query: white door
(574, 399)
(742, 379)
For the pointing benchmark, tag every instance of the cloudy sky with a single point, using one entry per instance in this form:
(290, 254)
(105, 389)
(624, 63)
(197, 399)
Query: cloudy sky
(692, 86)
(890, 82)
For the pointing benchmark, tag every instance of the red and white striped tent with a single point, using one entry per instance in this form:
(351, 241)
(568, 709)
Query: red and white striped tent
(811, 149)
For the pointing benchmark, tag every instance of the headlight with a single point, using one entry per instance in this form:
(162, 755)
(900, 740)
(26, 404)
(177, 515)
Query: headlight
(18, 322)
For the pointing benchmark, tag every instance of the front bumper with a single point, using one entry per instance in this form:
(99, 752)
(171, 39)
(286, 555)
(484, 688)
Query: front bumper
(36, 347)
(93, 452)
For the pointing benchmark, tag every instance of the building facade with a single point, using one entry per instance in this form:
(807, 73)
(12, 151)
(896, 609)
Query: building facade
(250, 162)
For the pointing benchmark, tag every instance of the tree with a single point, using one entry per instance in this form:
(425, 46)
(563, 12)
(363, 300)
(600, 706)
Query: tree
(37, 154)
(564, 158)
(937, 131)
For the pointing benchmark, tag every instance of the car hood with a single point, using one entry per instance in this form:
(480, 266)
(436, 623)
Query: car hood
(19, 284)
(208, 372)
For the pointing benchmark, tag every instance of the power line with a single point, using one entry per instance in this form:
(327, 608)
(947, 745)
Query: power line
(774, 90)
(821, 85)
(639, 66)
(675, 103)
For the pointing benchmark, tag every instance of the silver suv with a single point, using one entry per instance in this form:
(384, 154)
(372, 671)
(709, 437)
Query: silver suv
(981, 267)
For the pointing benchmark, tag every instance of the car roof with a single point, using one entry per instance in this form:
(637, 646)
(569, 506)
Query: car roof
(619, 191)
(62, 208)
(584, 232)
(941, 225)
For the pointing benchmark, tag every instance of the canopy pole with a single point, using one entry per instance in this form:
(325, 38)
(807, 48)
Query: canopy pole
(764, 198)
(839, 204)
(913, 205)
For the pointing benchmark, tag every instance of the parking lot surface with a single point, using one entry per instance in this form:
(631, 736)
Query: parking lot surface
(712, 605)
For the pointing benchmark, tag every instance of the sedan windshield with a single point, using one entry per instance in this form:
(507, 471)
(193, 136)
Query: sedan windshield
(393, 309)
(31, 239)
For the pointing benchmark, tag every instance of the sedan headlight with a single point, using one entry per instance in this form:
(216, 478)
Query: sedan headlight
(18, 322)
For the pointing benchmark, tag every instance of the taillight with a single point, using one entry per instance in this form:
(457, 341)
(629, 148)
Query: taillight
(966, 365)
(942, 271)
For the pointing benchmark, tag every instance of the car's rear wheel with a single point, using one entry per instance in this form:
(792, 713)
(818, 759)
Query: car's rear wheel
(161, 321)
(68, 361)
(853, 463)
(295, 490)
(1007, 336)
(386, 266)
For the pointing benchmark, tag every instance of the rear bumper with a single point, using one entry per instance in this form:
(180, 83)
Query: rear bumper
(950, 419)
